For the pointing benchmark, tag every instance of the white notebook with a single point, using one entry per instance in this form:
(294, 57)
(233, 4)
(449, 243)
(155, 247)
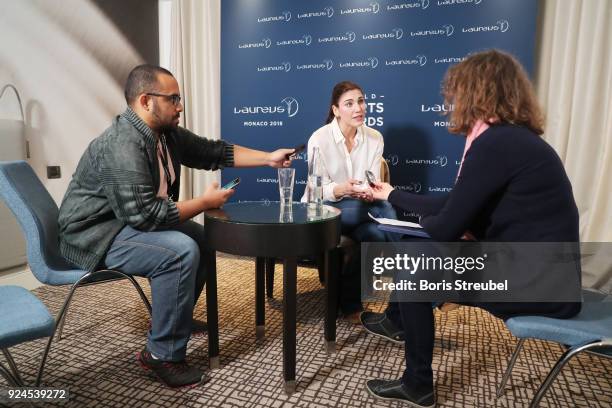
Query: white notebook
(389, 221)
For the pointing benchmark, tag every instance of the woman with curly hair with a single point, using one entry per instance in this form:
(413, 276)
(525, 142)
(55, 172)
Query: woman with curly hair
(511, 187)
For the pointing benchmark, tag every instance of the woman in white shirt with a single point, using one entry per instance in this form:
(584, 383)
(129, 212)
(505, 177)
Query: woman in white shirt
(348, 148)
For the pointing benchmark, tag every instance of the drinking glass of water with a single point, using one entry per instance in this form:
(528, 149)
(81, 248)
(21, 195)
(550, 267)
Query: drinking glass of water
(285, 185)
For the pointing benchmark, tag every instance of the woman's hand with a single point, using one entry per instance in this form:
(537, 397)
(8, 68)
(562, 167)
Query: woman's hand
(354, 189)
(381, 191)
(362, 191)
(344, 189)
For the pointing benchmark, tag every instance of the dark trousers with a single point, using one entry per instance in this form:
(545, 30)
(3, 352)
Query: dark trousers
(356, 224)
(417, 321)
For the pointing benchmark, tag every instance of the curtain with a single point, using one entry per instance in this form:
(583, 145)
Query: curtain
(195, 60)
(574, 84)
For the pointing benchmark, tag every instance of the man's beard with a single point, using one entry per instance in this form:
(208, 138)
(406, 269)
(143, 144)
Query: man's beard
(161, 126)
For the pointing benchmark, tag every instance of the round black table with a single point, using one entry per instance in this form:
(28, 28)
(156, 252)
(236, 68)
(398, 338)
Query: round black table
(264, 230)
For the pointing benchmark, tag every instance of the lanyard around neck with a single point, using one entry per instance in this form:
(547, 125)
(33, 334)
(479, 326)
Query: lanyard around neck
(164, 160)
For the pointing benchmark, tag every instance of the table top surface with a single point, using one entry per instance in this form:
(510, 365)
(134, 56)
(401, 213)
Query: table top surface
(270, 212)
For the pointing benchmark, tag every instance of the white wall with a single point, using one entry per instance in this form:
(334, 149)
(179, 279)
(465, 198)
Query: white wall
(51, 52)
(65, 58)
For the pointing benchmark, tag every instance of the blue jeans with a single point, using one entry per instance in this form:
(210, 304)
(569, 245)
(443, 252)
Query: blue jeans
(171, 260)
(356, 224)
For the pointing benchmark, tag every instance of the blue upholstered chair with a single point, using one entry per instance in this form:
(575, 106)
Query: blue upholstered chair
(37, 214)
(23, 317)
(590, 330)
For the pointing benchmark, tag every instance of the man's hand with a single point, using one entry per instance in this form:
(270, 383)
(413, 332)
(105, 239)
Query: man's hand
(381, 191)
(214, 197)
(278, 158)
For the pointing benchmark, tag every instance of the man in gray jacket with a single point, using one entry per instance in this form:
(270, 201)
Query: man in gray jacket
(121, 211)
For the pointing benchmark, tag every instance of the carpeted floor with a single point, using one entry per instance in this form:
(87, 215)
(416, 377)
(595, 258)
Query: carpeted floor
(107, 326)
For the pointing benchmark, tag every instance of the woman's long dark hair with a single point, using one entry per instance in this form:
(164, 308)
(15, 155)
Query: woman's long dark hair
(339, 89)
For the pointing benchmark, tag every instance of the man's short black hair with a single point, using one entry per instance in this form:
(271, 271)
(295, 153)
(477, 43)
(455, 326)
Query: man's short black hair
(142, 79)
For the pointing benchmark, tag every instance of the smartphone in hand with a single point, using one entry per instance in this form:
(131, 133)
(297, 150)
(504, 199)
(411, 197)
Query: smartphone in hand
(370, 177)
(296, 150)
(359, 185)
(231, 184)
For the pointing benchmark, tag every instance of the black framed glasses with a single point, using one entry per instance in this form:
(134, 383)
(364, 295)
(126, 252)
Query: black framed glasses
(174, 98)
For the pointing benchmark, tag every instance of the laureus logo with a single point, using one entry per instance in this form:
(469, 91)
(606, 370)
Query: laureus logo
(419, 60)
(329, 64)
(398, 32)
(351, 36)
(329, 11)
(445, 30)
(441, 161)
(457, 3)
(503, 25)
(306, 39)
(284, 16)
(292, 106)
(283, 66)
(371, 62)
(422, 4)
(393, 160)
(288, 105)
(413, 187)
(373, 8)
(265, 43)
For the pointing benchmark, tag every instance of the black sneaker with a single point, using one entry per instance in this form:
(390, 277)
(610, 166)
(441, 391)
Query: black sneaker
(380, 325)
(173, 374)
(394, 390)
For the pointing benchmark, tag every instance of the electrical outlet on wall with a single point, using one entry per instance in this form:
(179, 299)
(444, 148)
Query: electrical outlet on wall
(54, 172)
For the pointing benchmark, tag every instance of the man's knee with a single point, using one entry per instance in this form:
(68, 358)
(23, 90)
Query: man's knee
(190, 251)
(183, 251)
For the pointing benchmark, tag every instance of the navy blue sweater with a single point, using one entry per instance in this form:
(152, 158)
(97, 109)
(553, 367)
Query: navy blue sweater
(512, 188)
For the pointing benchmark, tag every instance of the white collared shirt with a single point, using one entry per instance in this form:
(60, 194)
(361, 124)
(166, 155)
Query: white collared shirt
(340, 165)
